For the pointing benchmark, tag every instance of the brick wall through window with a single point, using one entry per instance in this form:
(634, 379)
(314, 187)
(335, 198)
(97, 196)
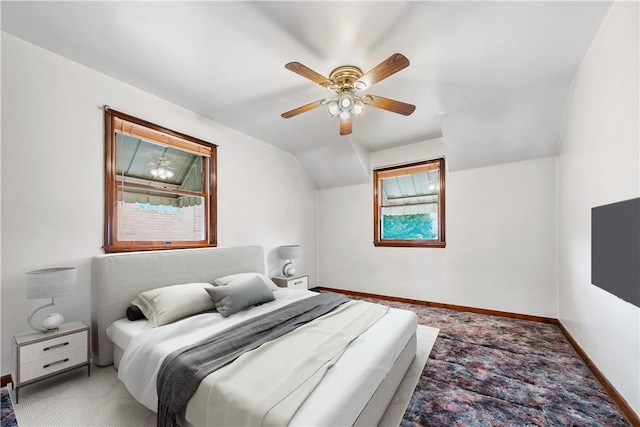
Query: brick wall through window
(141, 223)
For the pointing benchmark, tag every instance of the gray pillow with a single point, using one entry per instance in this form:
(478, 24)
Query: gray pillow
(230, 299)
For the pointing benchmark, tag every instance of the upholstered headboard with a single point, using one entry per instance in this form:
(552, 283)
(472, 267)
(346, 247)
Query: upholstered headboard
(119, 278)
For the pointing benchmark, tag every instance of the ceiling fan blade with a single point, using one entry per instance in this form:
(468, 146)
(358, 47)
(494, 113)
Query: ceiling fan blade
(389, 104)
(307, 72)
(302, 109)
(346, 126)
(389, 66)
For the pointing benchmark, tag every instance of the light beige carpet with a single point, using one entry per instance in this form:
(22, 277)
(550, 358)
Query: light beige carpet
(73, 399)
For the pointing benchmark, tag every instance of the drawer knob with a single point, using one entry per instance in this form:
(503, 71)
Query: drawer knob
(56, 346)
(55, 363)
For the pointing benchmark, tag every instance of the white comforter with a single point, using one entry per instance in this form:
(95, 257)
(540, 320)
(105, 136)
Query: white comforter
(147, 350)
(267, 386)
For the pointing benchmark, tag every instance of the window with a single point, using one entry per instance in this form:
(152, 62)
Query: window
(160, 187)
(409, 205)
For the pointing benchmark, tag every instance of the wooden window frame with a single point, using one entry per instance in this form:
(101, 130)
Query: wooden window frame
(156, 133)
(387, 172)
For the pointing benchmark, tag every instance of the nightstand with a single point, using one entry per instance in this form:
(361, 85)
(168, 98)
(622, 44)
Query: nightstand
(40, 355)
(294, 282)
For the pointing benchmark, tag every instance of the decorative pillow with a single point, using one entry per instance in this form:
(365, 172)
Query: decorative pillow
(167, 304)
(230, 299)
(234, 279)
(134, 313)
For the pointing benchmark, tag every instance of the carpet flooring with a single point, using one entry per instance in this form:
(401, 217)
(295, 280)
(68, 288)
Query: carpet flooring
(7, 416)
(494, 371)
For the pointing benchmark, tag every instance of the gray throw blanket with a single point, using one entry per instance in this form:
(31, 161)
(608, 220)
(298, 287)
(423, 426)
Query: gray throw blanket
(182, 371)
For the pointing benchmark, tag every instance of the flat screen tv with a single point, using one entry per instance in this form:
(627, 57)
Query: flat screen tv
(615, 249)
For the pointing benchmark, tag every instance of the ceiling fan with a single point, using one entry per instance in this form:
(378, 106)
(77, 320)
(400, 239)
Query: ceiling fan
(346, 81)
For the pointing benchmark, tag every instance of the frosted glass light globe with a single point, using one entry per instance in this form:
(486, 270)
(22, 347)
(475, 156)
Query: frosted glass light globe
(345, 115)
(333, 109)
(346, 101)
(358, 107)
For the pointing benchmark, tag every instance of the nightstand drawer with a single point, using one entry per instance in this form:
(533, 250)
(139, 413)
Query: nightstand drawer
(53, 347)
(55, 363)
(299, 283)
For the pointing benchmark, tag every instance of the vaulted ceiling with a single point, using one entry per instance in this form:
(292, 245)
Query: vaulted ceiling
(490, 78)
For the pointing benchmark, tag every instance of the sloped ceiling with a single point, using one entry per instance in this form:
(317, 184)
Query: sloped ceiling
(490, 78)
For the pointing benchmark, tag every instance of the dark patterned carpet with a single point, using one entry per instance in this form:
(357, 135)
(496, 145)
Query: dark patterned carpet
(7, 417)
(492, 371)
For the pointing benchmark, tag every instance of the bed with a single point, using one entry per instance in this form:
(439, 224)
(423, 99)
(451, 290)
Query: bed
(354, 391)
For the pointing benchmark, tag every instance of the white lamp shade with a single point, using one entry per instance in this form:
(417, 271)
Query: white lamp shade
(289, 252)
(50, 282)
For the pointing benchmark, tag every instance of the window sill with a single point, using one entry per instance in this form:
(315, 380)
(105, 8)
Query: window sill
(410, 244)
(153, 247)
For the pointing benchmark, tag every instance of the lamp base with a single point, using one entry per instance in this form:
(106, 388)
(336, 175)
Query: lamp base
(288, 269)
(53, 321)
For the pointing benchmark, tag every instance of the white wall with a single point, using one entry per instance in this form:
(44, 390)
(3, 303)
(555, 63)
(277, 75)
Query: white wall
(52, 179)
(599, 164)
(500, 232)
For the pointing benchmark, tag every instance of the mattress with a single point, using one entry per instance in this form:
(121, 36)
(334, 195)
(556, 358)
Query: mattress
(366, 362)
(122, 331)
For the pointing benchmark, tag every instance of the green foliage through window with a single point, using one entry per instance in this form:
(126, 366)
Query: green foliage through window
(417, 226)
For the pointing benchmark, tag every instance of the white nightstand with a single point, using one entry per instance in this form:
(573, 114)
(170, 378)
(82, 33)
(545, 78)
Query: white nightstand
(294, 282)
(40, 355)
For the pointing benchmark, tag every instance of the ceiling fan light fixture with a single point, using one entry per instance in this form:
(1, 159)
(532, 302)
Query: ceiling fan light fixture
(161, 169)
(346, 106)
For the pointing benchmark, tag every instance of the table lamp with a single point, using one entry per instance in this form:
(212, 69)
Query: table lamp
(289, 252)
(49, 283)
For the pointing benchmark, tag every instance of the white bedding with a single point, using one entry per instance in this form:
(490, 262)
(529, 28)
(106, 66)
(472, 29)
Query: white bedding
(365, 362)
(122, 331)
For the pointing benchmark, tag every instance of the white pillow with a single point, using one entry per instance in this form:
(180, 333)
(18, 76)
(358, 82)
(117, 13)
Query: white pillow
(234, 279)
(167, 304)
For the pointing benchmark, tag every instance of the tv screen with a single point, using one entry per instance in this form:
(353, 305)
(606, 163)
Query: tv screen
(615, 249)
